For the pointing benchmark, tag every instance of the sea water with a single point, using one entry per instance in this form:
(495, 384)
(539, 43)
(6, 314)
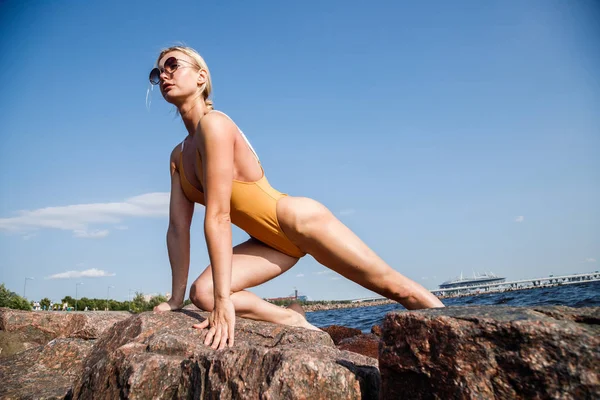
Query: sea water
(363, 318)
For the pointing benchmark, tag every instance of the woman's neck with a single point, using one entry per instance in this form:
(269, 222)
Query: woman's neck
(191, 114)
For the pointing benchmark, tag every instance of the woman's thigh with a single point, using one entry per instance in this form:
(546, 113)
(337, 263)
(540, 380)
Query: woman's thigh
(253, 263)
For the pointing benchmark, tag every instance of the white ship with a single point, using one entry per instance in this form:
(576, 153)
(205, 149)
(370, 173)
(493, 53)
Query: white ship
(476, 280)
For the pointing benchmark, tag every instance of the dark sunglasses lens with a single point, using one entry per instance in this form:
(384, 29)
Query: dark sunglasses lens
(155, 76)
(171, 65)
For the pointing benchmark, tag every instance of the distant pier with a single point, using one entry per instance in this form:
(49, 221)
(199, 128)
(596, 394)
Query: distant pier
(518, 285)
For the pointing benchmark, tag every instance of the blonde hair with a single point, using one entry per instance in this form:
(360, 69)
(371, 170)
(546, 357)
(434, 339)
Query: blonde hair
(206, 89)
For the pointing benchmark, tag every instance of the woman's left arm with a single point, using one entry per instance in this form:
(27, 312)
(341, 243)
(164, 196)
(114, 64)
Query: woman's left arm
(216, 150)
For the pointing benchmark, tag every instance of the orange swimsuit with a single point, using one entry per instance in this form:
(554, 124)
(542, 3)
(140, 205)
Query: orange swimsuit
(253, 206)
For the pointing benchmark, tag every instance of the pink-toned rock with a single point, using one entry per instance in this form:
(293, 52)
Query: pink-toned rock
(339, 333)
(38, 328)
(376, 330)
(491, 352)
(159, 355)
(12, 343)
(365, 344)
(43, 372)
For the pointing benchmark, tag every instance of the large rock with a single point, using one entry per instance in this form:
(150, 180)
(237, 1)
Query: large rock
(354, 340)
(159, 355)
(43, 372)
(20, 330)
(339, 333)
(365, 344)
(491, 352)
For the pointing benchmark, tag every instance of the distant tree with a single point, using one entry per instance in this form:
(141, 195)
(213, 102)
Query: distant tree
(113, 305)
(84, 302)
(122, 305)
(139, 304)
(69, 300)
(45, 302)
(156, 300)
(12, 300)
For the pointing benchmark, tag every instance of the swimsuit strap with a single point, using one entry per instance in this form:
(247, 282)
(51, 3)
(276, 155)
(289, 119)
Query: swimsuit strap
(239, 130)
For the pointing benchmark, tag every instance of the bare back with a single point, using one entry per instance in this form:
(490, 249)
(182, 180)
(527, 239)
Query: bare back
(246, 167)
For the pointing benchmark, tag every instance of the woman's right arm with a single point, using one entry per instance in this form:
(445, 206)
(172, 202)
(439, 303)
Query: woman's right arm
(181, 211)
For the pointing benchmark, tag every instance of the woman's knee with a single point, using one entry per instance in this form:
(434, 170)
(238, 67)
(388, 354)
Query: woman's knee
(201, 294)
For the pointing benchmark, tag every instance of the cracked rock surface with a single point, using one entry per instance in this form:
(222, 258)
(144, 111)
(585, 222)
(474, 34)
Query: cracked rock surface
(157, 356)
(491, 352)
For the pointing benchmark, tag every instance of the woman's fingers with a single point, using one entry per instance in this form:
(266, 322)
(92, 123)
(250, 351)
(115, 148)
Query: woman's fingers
(162, 307)
(224, 335)
(201, 325)
(217, 338)
(220, 333)
(209, 336)
(231, 333)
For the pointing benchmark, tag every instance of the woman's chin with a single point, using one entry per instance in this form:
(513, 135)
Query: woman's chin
(169, 98)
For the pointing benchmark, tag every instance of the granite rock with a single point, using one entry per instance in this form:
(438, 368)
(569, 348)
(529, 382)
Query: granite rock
(20, 330)
(491, 352)
(159, 355)
(43, 372)
(365, 344)
(339, 333)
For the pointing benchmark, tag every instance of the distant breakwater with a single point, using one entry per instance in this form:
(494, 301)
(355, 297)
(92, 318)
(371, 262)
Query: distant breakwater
(336, 306)
(373, 303)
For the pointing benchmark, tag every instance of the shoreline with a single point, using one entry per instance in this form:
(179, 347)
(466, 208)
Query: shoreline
(335, 306)
(374, 303)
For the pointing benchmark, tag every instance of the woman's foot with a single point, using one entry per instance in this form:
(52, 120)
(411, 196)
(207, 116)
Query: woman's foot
(298, 318)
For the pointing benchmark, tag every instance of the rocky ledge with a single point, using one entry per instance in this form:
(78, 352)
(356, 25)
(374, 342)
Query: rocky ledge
(487, 352)
(21, 330)
(41, 353)
(156, 355)
(456, 352)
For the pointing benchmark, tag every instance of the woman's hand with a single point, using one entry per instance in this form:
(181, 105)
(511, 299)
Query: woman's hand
(222, 324)
(168, 306)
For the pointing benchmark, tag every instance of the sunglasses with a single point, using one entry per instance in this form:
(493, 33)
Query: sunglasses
(170, 66)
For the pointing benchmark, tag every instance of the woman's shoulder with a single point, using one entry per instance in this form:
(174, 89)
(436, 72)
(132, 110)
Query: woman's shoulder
(216, 120)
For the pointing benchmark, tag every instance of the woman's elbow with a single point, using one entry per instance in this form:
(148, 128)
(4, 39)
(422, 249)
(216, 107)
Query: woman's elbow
(217, 218)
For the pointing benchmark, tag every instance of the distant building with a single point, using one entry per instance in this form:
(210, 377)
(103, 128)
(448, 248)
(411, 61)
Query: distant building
(294, 296)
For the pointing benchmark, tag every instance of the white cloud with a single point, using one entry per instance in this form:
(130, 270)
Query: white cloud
(121, 227)
(424, 278)
(347, 211)
(520, 218)
(326, 271)
(89, 273)
(79, 217)
(590, 260)
(91, 234)
(299, 275)
(336, 278)
(29, 236)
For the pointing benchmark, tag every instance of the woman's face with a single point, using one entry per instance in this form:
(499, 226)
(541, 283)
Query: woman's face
(179, 77)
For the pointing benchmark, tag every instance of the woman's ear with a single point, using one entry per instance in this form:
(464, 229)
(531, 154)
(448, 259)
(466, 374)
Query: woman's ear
(202, 77)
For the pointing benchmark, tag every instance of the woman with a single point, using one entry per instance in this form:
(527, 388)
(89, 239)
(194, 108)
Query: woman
(216, 166)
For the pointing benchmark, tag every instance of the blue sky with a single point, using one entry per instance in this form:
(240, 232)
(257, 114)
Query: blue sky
(450, 136)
